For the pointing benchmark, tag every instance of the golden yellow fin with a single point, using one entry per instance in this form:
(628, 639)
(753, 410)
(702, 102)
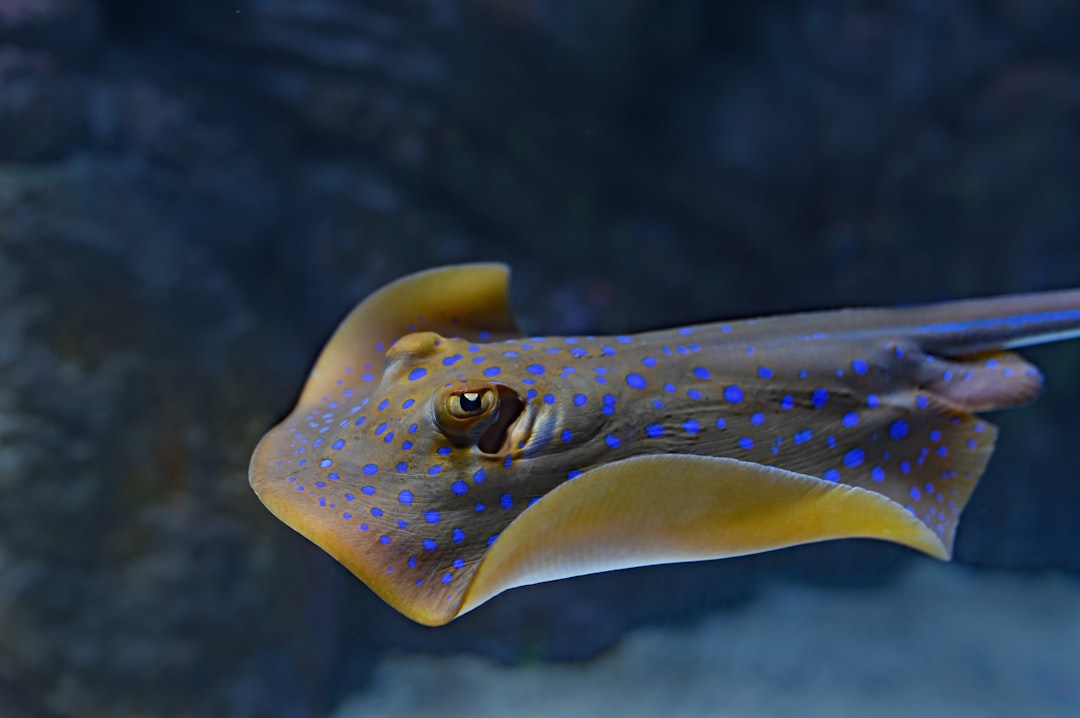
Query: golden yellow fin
(669, 508)
(465, 300)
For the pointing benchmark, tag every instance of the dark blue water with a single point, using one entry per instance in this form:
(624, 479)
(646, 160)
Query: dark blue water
(192, 195)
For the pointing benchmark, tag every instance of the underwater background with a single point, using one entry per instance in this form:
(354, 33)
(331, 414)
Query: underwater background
(193, 194)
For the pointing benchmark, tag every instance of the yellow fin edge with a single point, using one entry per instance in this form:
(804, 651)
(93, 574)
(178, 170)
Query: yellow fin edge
(670, 508)
(466, 300)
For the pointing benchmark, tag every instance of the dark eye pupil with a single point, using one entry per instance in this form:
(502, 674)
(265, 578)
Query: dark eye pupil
(470, 405)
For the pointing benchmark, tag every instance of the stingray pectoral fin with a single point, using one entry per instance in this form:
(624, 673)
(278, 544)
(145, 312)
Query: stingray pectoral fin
(669, 508)
(464, 300)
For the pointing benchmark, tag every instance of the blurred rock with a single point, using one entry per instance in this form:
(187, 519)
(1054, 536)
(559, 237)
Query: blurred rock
(67, 28)
(1004, 646)
(42, 112)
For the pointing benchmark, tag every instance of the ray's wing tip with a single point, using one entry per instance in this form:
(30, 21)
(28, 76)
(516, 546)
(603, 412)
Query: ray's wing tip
(497, 271)
(906, 529)
(936, 546)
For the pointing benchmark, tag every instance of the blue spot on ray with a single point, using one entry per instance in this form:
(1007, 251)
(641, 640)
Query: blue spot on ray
(854, 457)
(898, 429)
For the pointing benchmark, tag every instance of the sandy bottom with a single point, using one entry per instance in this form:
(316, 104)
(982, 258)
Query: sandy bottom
(944, 640)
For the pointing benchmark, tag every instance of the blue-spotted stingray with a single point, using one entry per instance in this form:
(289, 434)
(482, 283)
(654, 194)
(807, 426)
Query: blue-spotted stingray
(443, 458)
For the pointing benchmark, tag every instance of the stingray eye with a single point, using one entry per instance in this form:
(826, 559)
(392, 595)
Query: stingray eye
(464, 412)
(478, 414)
(470, 404)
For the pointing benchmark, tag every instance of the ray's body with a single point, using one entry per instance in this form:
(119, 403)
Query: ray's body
(443, 458)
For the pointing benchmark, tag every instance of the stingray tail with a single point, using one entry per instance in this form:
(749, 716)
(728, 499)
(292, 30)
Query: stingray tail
(976, 326)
